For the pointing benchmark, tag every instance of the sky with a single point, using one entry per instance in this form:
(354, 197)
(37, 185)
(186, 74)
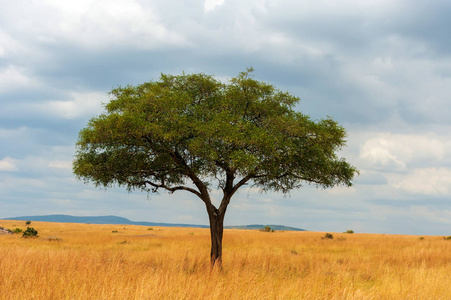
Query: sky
(382, 69)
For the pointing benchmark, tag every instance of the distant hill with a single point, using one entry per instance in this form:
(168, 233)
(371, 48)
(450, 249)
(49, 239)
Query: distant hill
(98, 220)
(125, 221)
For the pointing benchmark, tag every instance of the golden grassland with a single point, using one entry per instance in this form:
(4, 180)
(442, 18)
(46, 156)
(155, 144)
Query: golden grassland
(133, 262)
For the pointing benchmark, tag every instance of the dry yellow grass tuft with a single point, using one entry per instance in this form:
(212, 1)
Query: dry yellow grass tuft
(82, 261)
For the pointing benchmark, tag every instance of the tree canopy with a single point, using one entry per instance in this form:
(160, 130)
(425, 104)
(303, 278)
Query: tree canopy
(192, 132)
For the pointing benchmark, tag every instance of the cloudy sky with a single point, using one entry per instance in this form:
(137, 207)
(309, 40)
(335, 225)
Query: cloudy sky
(382, 69)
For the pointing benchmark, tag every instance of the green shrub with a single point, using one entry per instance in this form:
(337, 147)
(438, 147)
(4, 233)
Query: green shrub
(17, 230)
(30, 232)
(447, 237)
(421, 237)
(27, 222)
(328, 236)
(349, 231)
(267, 229)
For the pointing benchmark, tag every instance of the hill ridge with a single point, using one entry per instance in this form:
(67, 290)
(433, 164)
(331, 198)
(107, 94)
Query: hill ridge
(115, 220)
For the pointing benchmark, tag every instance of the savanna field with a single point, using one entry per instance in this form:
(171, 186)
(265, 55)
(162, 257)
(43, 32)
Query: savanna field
(83, 261)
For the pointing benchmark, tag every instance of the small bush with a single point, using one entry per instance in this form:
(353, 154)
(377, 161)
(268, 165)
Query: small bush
(27, 222)
(30, 232)
(114, 231)
(17, 230)
(267, 229)
(349, 231)
(421, 237)
(447, 237)
(150, 228)
(328, 236)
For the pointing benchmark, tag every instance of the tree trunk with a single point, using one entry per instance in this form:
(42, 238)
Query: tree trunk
(216, 232)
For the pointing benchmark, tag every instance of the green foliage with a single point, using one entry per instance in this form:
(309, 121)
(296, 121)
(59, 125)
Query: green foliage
(349, 231)
(30, 232)
(267, 229)
(328, 236)
(27, 222)
(17, 230)
(421, 237)
(158, 134)
(447, 237)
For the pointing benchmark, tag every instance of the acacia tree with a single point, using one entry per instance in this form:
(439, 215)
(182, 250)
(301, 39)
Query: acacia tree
(188, 132)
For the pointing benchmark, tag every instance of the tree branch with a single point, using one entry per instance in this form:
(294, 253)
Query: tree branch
(243, 182)
(203, 190)
(156, 186)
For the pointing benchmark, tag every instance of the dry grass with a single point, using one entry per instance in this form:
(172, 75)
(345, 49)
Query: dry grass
(95, 262)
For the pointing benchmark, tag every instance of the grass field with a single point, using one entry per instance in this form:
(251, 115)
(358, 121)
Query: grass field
(133, 262)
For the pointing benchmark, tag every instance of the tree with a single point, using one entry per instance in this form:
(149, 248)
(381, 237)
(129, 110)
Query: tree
(186, 132)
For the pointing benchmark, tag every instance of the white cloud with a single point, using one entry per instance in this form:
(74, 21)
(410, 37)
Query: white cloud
(77, 105)
(396, 152)
(82, 104)
(210, 5)
(14, 77)
(59, 164)
(8, 164)
(431, 181)
(93, 24)
(342, 191)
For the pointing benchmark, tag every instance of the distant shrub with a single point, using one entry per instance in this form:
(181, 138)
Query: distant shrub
(30, 232)
(421, 237)
(349, 231)
(267, 229)
(328, 236)
(114, 231)
(17, 230)
(447, 237)
(27, 222)
(150, 228)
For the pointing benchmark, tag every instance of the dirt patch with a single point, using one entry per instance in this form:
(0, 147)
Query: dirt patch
(5, 231)
(52, 239)
(149, 235)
